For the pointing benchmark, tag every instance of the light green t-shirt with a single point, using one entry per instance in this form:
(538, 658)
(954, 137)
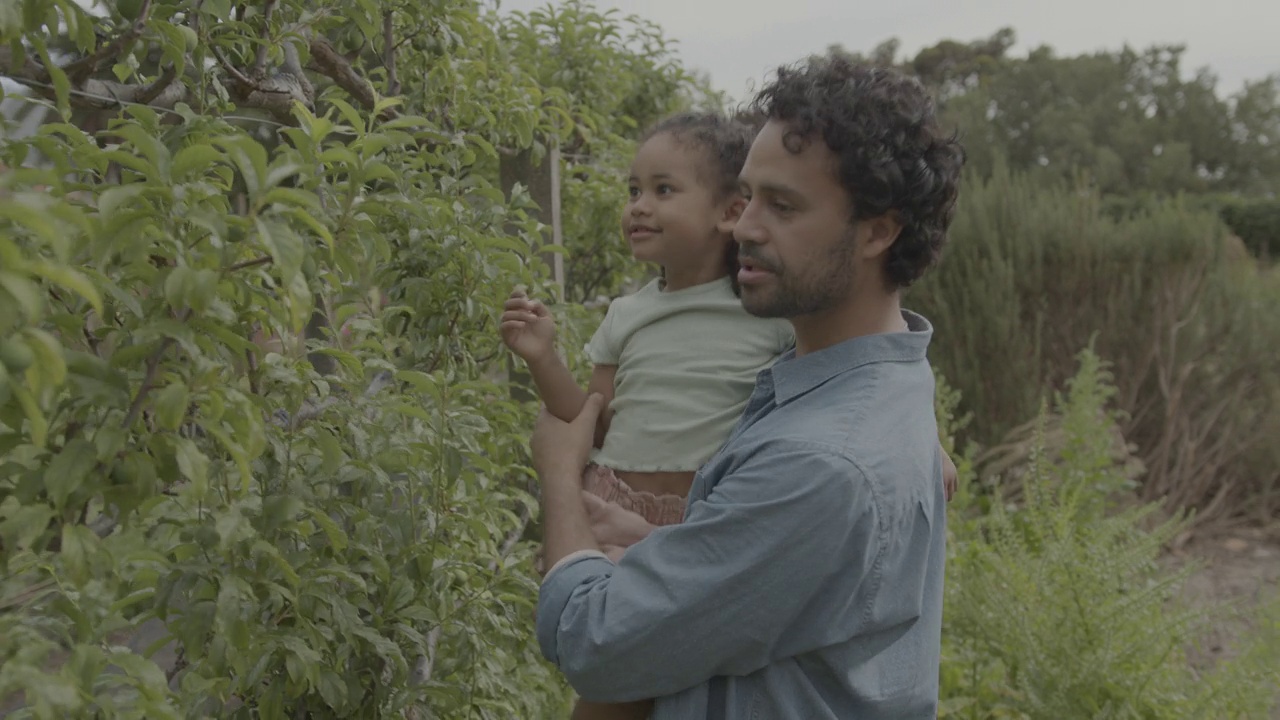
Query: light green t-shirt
(687, 363)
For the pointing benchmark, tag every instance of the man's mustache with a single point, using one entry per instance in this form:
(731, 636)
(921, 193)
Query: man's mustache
(750, 256)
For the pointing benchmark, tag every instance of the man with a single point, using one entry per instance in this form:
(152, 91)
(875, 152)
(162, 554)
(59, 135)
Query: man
(806, 578)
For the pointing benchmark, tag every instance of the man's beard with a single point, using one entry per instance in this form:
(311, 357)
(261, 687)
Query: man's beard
(827, 283)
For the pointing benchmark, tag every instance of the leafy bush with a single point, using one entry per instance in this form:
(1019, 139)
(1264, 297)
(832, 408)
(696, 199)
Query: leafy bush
(1057, 607)
(1034, 271)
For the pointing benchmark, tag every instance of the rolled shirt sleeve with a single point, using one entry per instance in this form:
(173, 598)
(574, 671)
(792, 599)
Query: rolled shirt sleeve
(781, 558)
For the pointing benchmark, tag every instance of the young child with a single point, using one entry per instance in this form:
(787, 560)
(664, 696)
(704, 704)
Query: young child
(676, 361)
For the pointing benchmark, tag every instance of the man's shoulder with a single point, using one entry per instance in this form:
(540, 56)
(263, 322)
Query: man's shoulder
(873, 422)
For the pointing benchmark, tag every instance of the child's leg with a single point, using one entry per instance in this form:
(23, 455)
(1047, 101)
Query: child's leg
(623, 711)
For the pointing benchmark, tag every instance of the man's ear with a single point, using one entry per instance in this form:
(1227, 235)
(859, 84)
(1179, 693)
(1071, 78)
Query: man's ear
(879, 234)
(732, 211)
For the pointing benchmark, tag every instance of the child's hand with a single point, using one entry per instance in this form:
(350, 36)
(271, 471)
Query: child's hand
(528, 327)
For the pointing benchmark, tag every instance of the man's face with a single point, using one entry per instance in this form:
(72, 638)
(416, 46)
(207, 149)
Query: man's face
(796, 237)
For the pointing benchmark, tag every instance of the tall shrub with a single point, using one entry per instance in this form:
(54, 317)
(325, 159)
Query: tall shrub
(1034, 271)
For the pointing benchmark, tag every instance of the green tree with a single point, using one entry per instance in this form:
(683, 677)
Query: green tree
(251, 388)
(1134, 122)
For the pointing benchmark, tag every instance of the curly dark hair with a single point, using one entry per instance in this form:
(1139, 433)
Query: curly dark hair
(893, 156)
(724, 143)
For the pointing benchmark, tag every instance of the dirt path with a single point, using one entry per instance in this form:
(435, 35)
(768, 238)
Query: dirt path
(1240, 567)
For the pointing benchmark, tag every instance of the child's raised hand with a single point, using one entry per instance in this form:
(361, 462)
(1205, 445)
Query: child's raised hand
(528, 327)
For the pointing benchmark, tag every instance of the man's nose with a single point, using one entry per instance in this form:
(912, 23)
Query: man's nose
(748, 228)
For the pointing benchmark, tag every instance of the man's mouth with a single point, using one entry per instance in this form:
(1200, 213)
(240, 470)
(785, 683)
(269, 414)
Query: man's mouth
(752, 265)
(752, 271)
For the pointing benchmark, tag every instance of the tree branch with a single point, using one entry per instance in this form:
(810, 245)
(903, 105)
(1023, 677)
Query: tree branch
(250, 263)
(260, 65)
(79, 70)
(275, 94)
(330, 63)
(389, 52)
(162, 83)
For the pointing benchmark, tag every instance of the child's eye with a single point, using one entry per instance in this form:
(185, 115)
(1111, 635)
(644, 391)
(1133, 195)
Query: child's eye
(664, 189)
(633, 191)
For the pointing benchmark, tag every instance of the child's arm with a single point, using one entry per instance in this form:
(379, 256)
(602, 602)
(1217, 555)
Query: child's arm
(528, 328)
(563, 396)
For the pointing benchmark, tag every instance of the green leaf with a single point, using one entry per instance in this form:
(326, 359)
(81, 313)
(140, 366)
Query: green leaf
(26, 293)
(61, 84)
(50, 362)
(238, 454)
(35, 416)
(171, 405)
(68, 470)
(80, 551)
(337, 538)
(118, 196)
(310, 221)
(286, 248)
(232, 527)
(194, 161)
(193, 464)
(353, 117)
(421, 382)
(175, 287)
(21, 525)
(333, 689)
(150, 147)
(263, 548)
(32, 212)
(250, 159)
(70, 279)
(281, 172)
(11, 25)
(278, 510)
(138, 667)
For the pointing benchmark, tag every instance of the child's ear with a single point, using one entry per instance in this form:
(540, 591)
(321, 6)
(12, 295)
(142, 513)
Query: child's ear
(732, 211)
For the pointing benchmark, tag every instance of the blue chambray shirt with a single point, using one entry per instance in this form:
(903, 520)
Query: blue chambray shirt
(806, 580)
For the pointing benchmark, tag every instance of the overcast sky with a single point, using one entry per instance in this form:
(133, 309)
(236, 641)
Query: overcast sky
(739, 41)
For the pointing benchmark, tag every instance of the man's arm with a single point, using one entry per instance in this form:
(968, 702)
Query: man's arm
(767, 567)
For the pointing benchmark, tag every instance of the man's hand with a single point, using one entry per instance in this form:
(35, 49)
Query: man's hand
(562, 449)
(950, 476)
(613, 526)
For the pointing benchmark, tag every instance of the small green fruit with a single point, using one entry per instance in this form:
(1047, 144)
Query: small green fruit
(16, 355)
(189, 37)
(129, 9)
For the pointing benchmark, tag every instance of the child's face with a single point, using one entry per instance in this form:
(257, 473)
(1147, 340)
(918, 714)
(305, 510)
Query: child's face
(671, 214)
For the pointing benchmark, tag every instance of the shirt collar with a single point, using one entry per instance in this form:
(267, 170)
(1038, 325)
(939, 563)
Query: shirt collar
(793, 376)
